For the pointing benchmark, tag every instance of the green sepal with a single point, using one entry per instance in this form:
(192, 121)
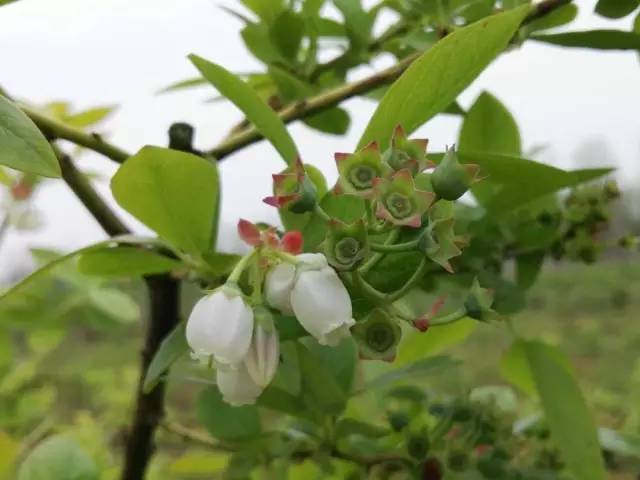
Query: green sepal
(407, 153)
(399, 201)
(451, 179)
(479, 302)
(357, 171)
(346, 245)
(263, 317)
(439, 241)
(378, 336)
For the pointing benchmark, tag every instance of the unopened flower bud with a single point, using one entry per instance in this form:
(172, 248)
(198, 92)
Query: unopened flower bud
(263, 355)
(479, 302)
(293, 190)
(451, 179)
(278, 285)
(378, 336)
(346, 245)
(236, 385)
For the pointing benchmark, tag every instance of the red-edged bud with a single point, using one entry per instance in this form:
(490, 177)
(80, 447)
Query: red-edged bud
(293, 190)
(398, 200)
(451, 179)
(249, 233)
(358, 170)
(407, 153)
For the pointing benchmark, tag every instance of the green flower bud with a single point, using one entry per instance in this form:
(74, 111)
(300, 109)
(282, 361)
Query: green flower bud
(439, 241)
(398, 200)
(294, 190)
(479, 302)
(418, 442)
(358, 170)
(346, 244)
(458, 460)
(451, 179)
(377, 336)
(407, 153)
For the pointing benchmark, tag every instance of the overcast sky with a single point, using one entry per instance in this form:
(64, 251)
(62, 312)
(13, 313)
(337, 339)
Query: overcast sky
(95, 52)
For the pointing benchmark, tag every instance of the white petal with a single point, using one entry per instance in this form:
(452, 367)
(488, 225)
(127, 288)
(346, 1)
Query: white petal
(220, 325)
(321, 303)
(335, 336)
(263, 356)
(236, 386)
(313, 261)
(277, 287)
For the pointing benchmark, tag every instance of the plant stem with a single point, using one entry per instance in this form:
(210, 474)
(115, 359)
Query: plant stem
(53, 129)
(164, 311)
(447, 319)
(235, 274)
(395, 247)
(376, 257)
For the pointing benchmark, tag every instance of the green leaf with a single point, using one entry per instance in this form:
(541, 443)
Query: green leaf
(174, 193)
(489, 127)
(115, 304)
(22, 145)
(598, 39)
(568, 417)
(58, 458)
(351, 426)
(224, 421)
(258, 112)
(419, 368)
(185, 84)
(334, 120)
(417, 345)
(435, 79)
(89, 117)
(358, 23)
(340, 361)
(616, 8)
(258, 41)
(528, 266)
(266, 10)
(320, 389)
(286, 33)
(6, 2)
(347, 208)
(125, 262)
(171, 349)
(556, 18)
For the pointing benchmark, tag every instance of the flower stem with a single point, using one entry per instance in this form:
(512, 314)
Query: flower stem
(240, 267)
(376, 257)
(402, 291)
(397, 247)
(449, 318)
(367, 289)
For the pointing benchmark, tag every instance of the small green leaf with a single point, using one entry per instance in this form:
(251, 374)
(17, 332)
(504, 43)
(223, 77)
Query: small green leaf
(174, 193)
(528, 266)
(340, 360)
(616, 8)
(598, 39)
(58, 458)
(266, 10)
(556, 18)
(115, 304)
(419, 368)
(567, 415)
(224, 421)
(22, 145)
(320, 389)
(258, 112)
(417, 345)
(171, 349)
(125, 262)
(185, 84)
(89, 117)
(286, 33)
(489, 127)
(435, 79)
(333, 120)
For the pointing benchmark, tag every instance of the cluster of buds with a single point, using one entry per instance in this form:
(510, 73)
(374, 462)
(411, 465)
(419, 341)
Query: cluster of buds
(236, 331)
(586, 216)
(403, 192)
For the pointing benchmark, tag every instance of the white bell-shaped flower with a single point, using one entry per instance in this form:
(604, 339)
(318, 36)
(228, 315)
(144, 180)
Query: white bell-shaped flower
(263, 356)
(277, 287)
(236, 385)
(320, 301)
(221, 325)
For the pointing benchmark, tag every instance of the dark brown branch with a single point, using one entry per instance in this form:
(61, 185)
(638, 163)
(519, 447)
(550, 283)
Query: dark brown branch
(164, 313)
